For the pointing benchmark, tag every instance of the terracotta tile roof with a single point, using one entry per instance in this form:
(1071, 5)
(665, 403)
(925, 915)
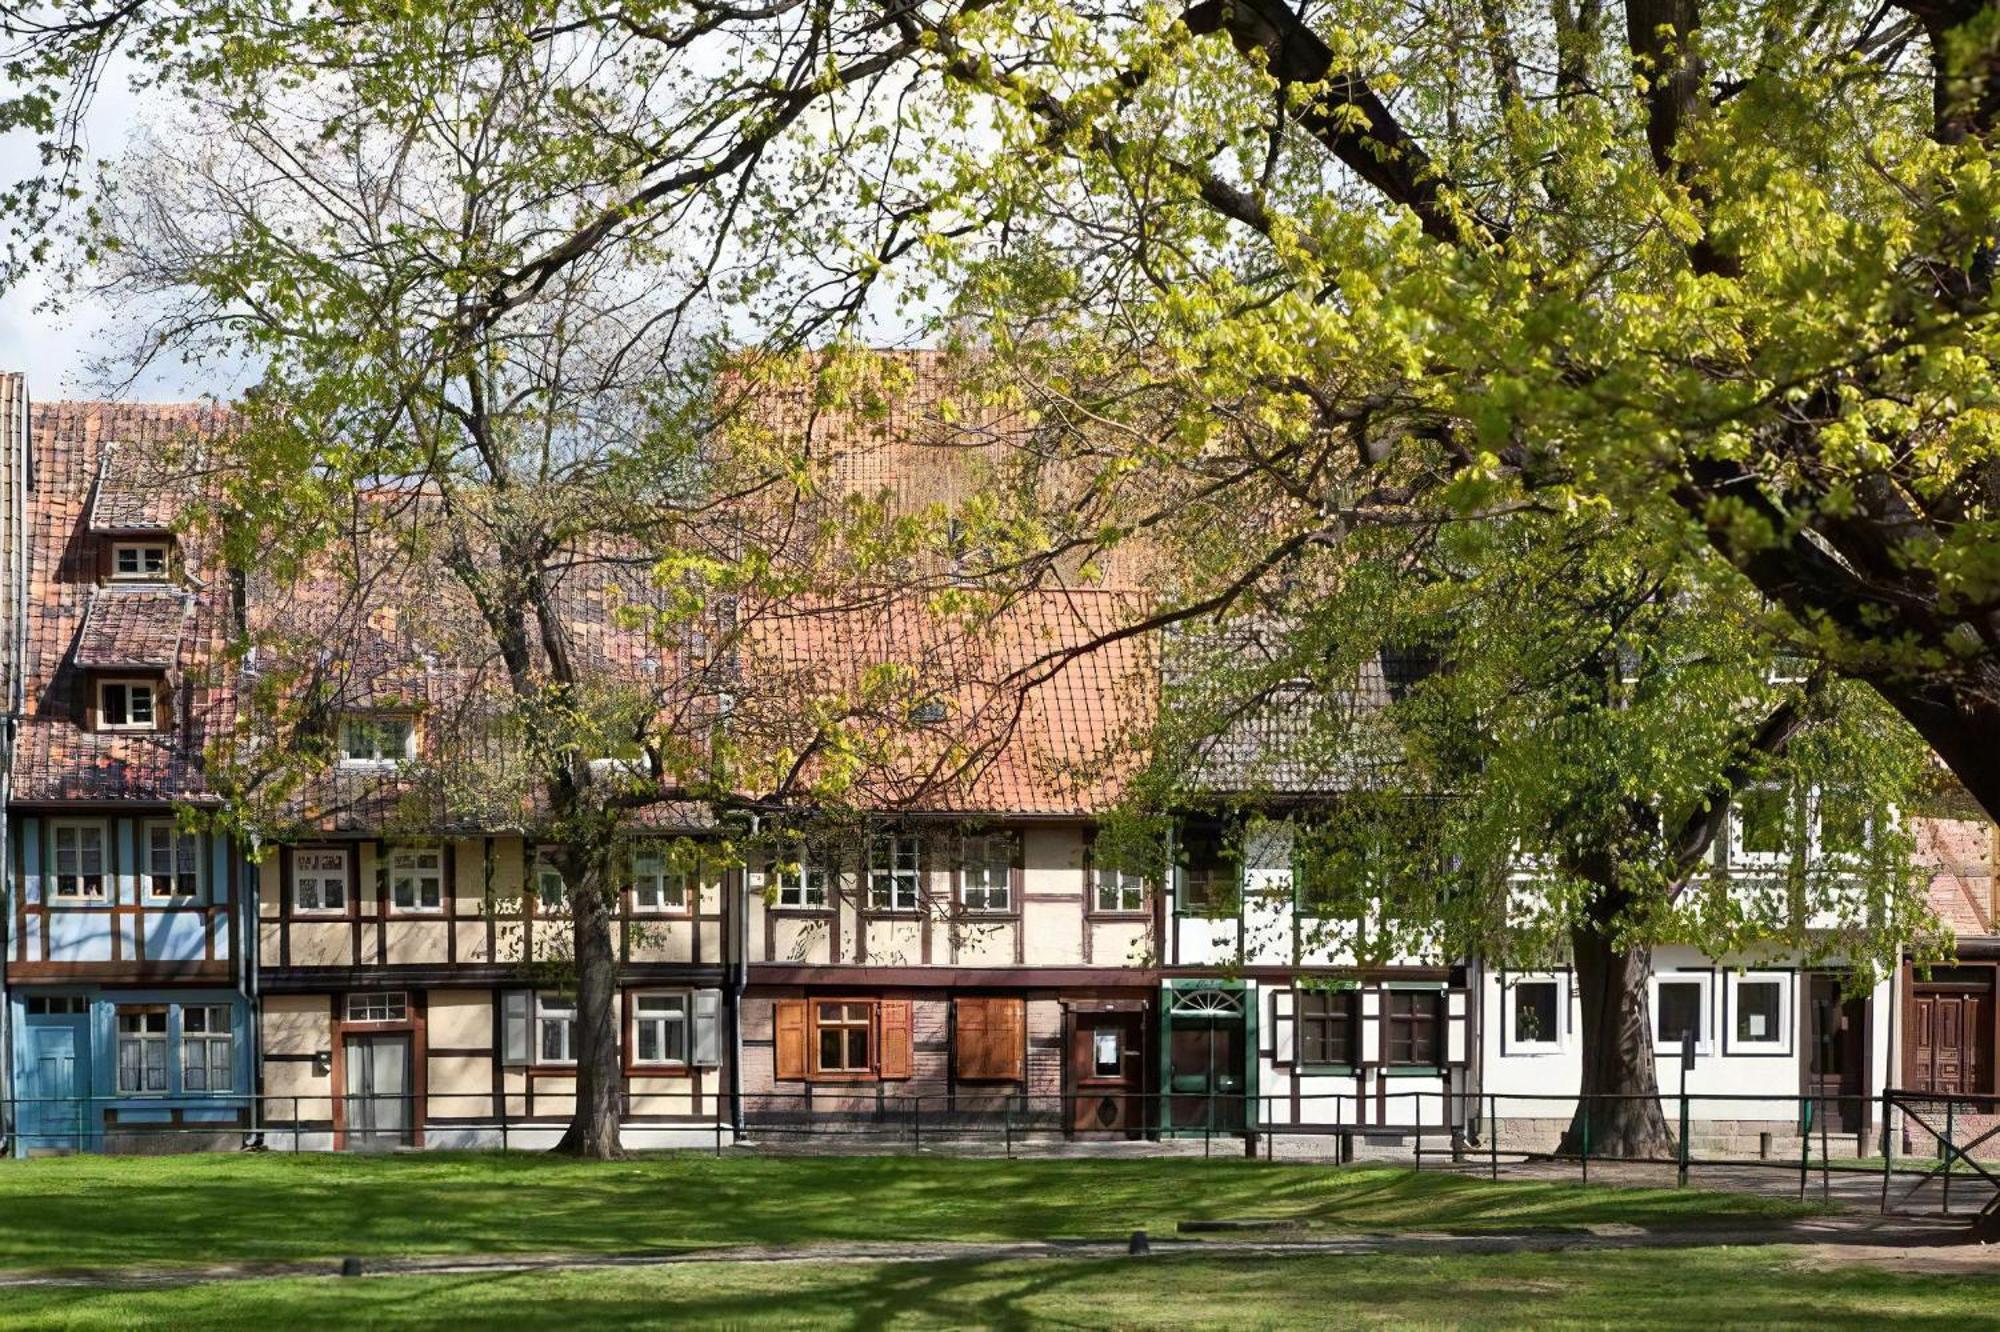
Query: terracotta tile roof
(1014, 714)
(133, 627)
(56, 758)
(137, 491)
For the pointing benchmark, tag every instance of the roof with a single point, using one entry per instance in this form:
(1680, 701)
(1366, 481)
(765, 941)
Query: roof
(137, 491)
(71, 622)
(136, 628)
(1960, 855)
(1036, 708)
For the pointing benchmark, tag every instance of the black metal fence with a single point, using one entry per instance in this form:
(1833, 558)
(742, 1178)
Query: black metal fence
(1911, 1150)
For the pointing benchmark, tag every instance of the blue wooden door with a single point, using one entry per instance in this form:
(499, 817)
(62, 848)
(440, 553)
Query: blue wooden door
(56, 1089)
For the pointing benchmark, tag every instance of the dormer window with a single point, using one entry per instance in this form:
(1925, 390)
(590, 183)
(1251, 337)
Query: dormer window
(126, 705)
(377, 741)
(139, 561)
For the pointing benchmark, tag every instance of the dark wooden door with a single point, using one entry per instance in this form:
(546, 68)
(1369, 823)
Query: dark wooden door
(1951, 1040)
(1837, 1029)
(1107, 1069)
(1206, 1074)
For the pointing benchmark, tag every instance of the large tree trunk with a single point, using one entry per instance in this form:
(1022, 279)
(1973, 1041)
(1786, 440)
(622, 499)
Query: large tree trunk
(593, 1129)
(1962, 724)
(1617, 1052)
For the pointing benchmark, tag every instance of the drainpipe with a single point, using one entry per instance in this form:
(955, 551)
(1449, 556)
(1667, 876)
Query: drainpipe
(14, 520)
(253, 983)
(739, 979)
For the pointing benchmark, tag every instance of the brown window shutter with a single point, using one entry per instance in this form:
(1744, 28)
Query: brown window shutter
(790, 1021)
(894, 1057)
(971, 1037)
(1008, 1023)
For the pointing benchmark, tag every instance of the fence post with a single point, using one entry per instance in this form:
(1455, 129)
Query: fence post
(1493, 1132)
(1007, 1118)
(1950, 1137)
(1586, 1140)
(1825, 1178)
(1681, 1173)
(297, 1147)
(917, 1125)
(1420, 1132)
(1805, 1145)
(1888, 1152)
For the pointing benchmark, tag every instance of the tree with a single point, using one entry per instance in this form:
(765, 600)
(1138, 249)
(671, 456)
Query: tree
(1525, 738)
(1735, 264)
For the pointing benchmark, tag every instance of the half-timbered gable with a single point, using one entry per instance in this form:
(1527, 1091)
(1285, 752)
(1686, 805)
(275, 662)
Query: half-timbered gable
(128, 954)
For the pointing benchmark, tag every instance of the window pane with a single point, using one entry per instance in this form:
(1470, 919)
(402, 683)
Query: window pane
(829, 1048)
(1762, 815)
(1106, 1060)
(1680, 1011)
(1535, 1016)
(857, 1048)
(1757, 1008)
(649, 1042)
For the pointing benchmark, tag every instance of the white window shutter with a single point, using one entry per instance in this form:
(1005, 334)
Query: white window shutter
(1457, 1003)
(515, 1013)
(1282, 1027)
(1371, 1026)
(707, 1027)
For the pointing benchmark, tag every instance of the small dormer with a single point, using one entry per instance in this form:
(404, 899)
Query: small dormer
(132, 513)
(127, 653)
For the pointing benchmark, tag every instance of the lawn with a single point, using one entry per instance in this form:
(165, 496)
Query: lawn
(1708, 1288)
(88, 1211)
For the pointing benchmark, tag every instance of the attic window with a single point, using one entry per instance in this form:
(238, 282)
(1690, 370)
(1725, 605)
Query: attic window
(125, 705)
(139, 561)
(377, 740)
(928, 713)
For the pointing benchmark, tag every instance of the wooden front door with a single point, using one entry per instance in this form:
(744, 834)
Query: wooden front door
(1836, 1029)
(1951, 1038)
(1107, 1069)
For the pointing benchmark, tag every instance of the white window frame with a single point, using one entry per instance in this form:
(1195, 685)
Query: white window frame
(134, 687)
(978, 855)
(663, 1024)
(177, 840)
(807, 887)
(895, 872)
(158, 1042)
(1705, 1038)
(1779, 1042)
(377, 756)
(1511, 1042)
(559, 1011)
(377, 1006)
(321, 874)
(1817, 810)
(206, 1040)
(140, 573)
(654, 877)
(1742, 859)
(405, 866)
(53, 877)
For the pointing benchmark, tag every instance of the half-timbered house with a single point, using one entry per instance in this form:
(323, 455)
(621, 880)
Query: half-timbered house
(128, 979)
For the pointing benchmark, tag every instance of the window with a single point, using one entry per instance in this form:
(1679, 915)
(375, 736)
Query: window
(1534, 1016)
(208, 1053)
(377, 740)
(173, 862)
(1761, 828)
(656, 887)
(1845, 828)
(79, 861)
(1207, 874)
(142, 1049)
(1326, 1026)
(53, 1004)
(1412, 1021)
(416, 880)
(1680, 1006)
(985, 876)
(142, 561)
(378, 1006)
(1759, 1020)
(660, 1028)
(1115, 890)
(802, 884)
(893, 872)
(555, 1029)
(845, 1037)
(319, 881)
(125, 705)
(1107, 1052)
(551, 893)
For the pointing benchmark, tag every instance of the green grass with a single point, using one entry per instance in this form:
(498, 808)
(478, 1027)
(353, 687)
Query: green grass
(1709, 1288)
(87, 1212)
